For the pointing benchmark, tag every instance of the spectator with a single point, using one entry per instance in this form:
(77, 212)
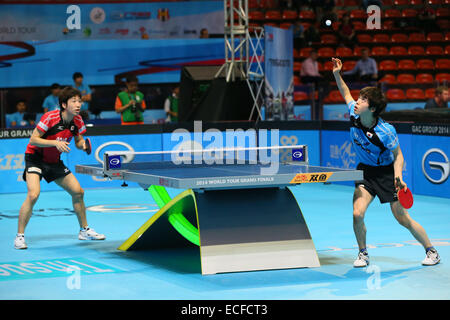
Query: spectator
(346, 32)
(312, 35)
(21, 118)
(365, 69)
(298, 33)
(130, 103)
(171, 105)
(51, 102)
(204, 33)
(427, 18)
(440, 99)
(290, 4)
(86, 94)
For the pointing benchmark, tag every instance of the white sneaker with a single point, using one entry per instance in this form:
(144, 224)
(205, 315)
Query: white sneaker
(19, 242)
(90, 234)
(432, 258)
(362, 260)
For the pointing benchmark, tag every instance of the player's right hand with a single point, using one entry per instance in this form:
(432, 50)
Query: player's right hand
(337, 65)
(62, 146)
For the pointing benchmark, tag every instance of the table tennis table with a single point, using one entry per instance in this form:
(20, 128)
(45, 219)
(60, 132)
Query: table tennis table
(241, 218)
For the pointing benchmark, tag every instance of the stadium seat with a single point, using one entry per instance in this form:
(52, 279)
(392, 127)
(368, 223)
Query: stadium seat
(272, 24)
(297, 66)
(406, 64)
(447, 36)
(389, 25)
(416, 51)
(256, 15)
(406, 78)
(358, 14)
(387, 65)
(307, 14)
(297, 81)
(348, 65)
(328, 66)
(416, 2)
(434, 50)
(253, 4)
(400, 2)
(416, 37)
(334, 97)
(415, 94)
(395, 94)
(443, 24)
(381, 38)
(429, 93)
(392, 13)
(443, 64)
(425, 64)
(351, 3)
(268, 4)
(354, 93)
(389, 79)
(380, 51)
(285, 25)
(273, 15)
(304, 52)
(328, 39)
(398, 51)
(358, 25)
(409, 13)
(447, 49)
(344, 52)
(295, 53)
(442, 12)
(387, 2)
(357, 51)
(364, 38)
(434, 2)
(300, 96)
(435, 37)
(326, 52)
(399, 37)
(289, 15)
(443, 77)
(424, 78)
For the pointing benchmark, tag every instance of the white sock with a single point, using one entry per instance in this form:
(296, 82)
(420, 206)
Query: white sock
(20, 235)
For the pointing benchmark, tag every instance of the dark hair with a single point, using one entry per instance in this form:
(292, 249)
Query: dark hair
(376, 99)
(439, 90)
(131, 78)
(68, 93)
(55, 86)
(77, 75)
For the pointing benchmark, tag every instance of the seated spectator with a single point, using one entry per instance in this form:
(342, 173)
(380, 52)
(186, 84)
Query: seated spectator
(364, 70)
(51, 102)
(440, 99)
(130, 103)
(171, 105)
(346, 32)
(21, 118)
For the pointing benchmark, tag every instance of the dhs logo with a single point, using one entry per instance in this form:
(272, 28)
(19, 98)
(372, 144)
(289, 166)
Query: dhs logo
(114, 162)
(298, 155)
(435, 166)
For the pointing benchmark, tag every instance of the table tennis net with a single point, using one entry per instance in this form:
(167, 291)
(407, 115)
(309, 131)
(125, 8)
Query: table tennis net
(125, 160)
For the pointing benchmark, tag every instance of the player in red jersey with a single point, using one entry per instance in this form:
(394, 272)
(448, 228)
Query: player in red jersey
(50, 138)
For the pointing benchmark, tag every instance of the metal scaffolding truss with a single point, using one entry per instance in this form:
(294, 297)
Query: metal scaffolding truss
(244, 51)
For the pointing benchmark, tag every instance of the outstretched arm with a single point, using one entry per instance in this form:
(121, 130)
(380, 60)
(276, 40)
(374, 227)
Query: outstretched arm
(343, 89)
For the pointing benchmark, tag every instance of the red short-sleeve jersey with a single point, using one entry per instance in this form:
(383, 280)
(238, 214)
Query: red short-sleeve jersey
(54, 128)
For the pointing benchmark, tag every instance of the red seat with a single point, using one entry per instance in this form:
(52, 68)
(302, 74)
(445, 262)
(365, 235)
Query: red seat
(252, 4)
(435, 37)
(273, 15)
(416, 51)
(389, 79)
(358, 14)
(416, 37)
(443, 24)
(399, 37)
(268, 4)
(256, 15)
(429, 93)
(424, 78)
(364, 38)
(354, 93)
(289, 15)
(383, 38)
(400, 2)
(304, 52)
(358, 25)
(297, 82)
(344, 52)
(380, 51)
(388, 65)
(434, 1)
(285, 25)
(351, 3)
(334, 97)
(348, 65)
(443, 64)
(415, 94)
(443, 77)
(447, 49)
(389, 25)
(300, 96)
(326, 52)
(406, 78)
(328, 39)
(447, 36)
(435, 50)
(392, 13)
(357, 51)
(297, 66)
(442, 12)
(328, 66)
(307, 14)
(425, 64)
(406, 64)
(395, 94)
(398, 51)
(416, 2)
(409, 13)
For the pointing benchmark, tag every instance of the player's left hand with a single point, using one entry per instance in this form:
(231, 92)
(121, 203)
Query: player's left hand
(400, 184)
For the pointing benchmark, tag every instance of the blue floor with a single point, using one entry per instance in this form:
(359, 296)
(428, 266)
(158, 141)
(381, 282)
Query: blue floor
(103, 272)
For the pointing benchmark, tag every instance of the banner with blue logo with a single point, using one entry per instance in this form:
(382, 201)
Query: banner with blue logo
(279, 74)
(155, 20)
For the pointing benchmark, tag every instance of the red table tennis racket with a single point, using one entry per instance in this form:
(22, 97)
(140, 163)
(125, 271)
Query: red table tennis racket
(404, 196)
(88, 146)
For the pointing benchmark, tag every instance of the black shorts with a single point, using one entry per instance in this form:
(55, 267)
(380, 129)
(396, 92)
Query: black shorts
(50, 171)
(378, 181)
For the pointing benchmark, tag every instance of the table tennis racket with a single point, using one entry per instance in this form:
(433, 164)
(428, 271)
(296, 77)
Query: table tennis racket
(404, 196)
(88, 146)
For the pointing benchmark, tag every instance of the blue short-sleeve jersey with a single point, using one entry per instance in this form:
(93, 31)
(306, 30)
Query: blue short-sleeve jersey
(373, 146)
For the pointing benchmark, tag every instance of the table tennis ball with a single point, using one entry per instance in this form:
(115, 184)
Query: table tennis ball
(328, 22)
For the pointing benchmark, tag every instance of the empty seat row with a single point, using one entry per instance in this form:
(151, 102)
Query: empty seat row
(421, 78)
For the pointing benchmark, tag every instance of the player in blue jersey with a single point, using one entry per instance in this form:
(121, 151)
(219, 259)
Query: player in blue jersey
(380, 157)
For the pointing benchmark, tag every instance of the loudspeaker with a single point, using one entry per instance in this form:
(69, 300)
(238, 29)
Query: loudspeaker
(207, 98)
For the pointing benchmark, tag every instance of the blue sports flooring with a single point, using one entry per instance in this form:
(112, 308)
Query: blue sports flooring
(103, 272)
